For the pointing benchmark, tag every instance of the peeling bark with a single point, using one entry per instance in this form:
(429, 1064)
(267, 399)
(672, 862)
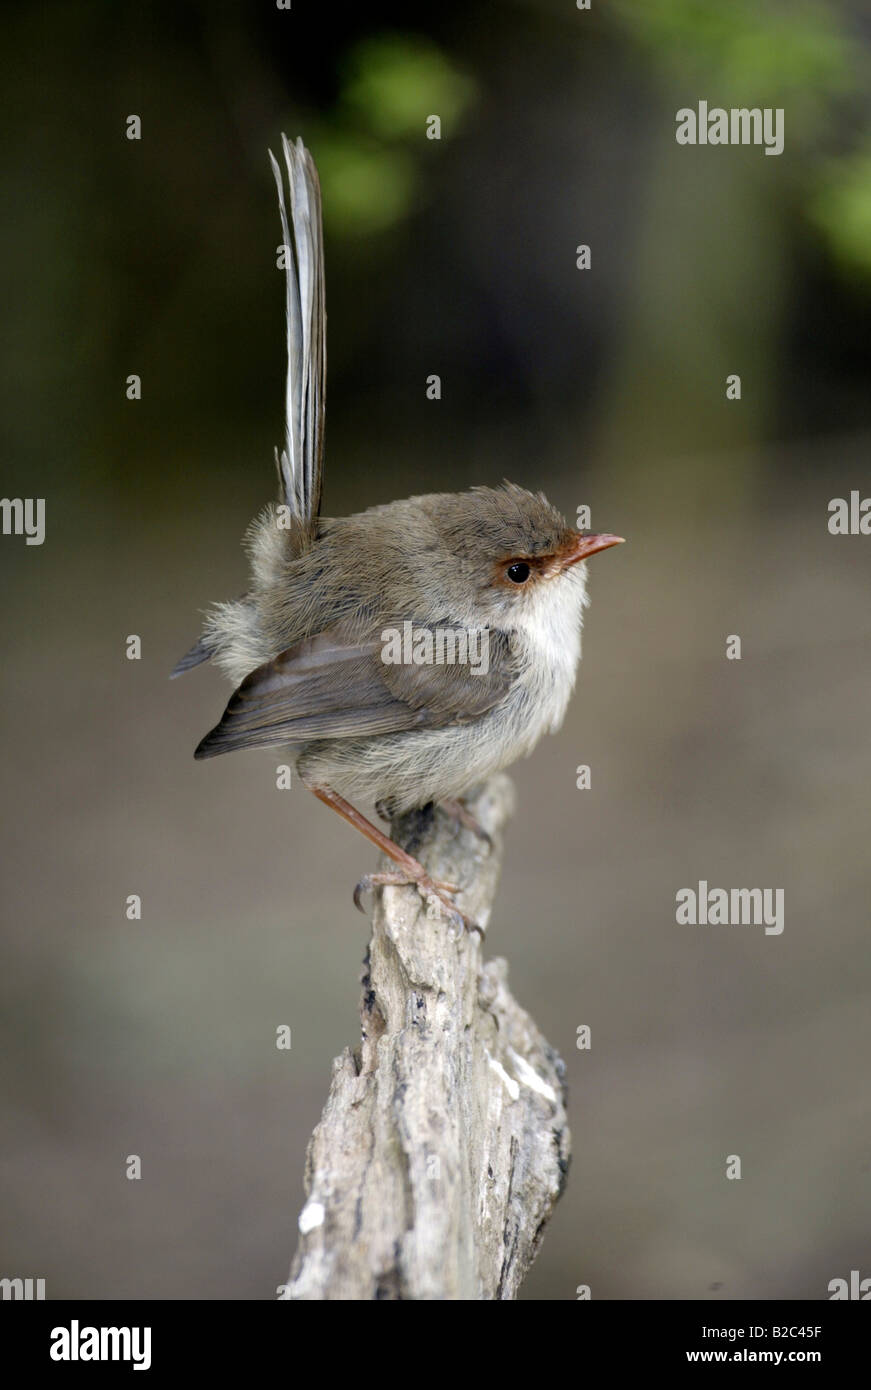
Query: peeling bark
(444, 1142)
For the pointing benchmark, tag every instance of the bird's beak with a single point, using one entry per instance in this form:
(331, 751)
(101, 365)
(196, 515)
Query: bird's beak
(582, 547)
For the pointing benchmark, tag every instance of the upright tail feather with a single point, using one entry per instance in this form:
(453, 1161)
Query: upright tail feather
(300, 462)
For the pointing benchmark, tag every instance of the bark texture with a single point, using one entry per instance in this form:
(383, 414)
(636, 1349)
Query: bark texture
(444, 1143)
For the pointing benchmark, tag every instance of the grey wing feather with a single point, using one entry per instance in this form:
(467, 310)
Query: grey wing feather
(198, 653)
(318, 689)
(300, 463)
(329, 687)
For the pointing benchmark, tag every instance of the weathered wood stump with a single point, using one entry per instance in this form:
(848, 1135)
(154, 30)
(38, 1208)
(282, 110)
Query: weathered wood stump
(444, 1143)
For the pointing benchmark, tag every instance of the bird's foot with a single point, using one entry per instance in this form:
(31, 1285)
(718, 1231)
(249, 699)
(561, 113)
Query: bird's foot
(438, 894)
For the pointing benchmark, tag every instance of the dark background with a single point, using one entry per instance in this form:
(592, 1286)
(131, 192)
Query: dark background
(604, 387)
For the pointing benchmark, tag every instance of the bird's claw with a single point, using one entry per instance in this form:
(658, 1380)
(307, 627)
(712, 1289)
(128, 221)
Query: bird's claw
(370, 881)
(435, 891)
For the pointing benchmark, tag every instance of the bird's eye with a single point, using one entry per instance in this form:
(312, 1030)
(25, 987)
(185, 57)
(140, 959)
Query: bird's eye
(519, 572)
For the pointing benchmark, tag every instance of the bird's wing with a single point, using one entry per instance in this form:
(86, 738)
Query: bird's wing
(300, 462)
(332, 686)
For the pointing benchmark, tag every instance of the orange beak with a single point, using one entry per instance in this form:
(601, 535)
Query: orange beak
(582, 547)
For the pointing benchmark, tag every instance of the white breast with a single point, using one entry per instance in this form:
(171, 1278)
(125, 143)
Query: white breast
(413, 768)
(549, 628)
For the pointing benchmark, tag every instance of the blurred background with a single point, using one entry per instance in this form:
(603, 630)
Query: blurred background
(604, 387)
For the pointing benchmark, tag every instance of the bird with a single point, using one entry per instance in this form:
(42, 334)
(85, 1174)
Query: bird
(312, 648)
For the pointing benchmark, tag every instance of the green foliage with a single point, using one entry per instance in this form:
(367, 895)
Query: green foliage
(366, 187)
(842, 211)
(392, 83)
(801, 56)
(368, 152)
(753, 49)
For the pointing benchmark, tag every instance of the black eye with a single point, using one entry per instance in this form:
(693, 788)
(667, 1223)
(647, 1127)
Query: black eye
(518, 573)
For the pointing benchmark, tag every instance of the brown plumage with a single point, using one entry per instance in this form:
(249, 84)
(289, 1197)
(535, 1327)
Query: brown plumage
(493, 571)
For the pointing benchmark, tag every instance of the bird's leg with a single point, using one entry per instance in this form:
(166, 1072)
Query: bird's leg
(459, 811)
(411, 870)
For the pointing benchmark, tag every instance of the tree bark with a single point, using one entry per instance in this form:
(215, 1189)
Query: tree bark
(444, 1143)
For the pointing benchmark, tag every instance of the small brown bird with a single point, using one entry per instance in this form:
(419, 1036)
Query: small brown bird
(404, 654)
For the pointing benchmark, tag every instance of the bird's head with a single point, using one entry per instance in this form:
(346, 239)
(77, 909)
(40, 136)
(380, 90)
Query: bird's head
(514, 554)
